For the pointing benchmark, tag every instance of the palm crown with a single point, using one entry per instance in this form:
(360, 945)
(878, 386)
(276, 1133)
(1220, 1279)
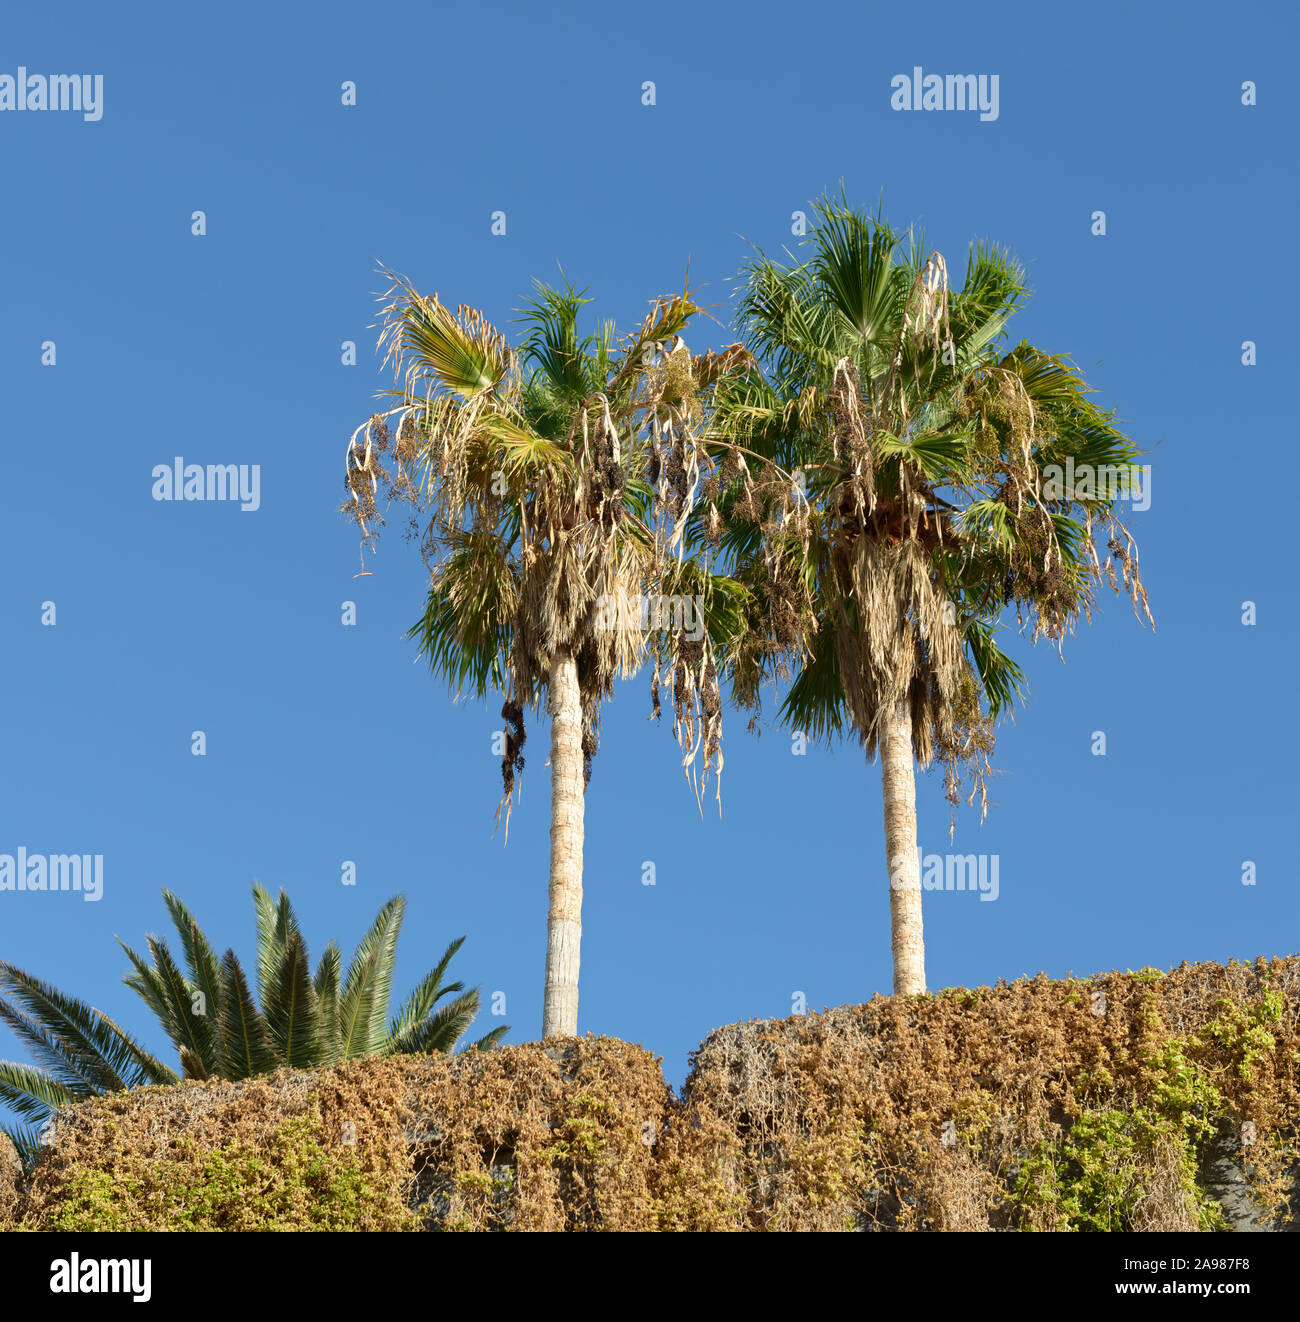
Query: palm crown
(299, 1019)
(900, 497)
(555, 482)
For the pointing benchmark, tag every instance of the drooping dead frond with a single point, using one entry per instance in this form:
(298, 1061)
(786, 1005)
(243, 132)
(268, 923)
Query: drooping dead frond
(851, 441)
(898, 638)
(926, 315)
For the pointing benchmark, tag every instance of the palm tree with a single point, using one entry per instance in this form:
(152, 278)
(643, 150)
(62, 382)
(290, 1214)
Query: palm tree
(211, 1018)
(554, 482)
(901, 496)
(80, 1053)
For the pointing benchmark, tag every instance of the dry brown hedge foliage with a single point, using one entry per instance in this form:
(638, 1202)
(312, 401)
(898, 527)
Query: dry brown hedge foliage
(10, 1172)
(524, 1137)
(1029, 1105)
(840, 1119)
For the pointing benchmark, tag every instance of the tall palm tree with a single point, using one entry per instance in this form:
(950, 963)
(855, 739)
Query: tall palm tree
(899, 497)
(553, 484)
(213, 1021)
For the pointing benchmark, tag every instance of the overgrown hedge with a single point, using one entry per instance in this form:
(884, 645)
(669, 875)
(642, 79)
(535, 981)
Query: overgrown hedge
(1101, 1104)
(1147, 1101)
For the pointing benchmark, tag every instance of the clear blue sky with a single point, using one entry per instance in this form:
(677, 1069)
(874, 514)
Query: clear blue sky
(327, 743)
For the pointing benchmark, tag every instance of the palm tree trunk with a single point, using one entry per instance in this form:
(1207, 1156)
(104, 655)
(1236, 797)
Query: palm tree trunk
(898, 779)
(564, 917)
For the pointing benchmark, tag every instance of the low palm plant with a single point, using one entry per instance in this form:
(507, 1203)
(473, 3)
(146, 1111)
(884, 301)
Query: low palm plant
(79, 1053)
(300, 1019)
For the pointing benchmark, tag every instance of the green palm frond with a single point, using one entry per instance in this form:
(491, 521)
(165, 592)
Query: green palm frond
(489, 1040)
(443, 1029)
(243, 1042)
(356, 1006)
(146, 983)
(291, 1010)
(464, 634)
(943, 457)
(434, 349)
(276, 926)
(99, 1050)
(553, 345)
(369, 984)
(1002, 678)
(194, 1032)
(27, 1143)
(522, 449)
(785, 324)
(71, 1065)
(33, 1094)
(422, 1000)
(200, 959)
(329, 975)
(854, 270)
(814, 702)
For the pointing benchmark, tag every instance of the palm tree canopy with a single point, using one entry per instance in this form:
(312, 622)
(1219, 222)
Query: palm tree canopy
(79, 1051)
(301, 1018)
(897, 488)
(207, 1009)
(554, 480)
